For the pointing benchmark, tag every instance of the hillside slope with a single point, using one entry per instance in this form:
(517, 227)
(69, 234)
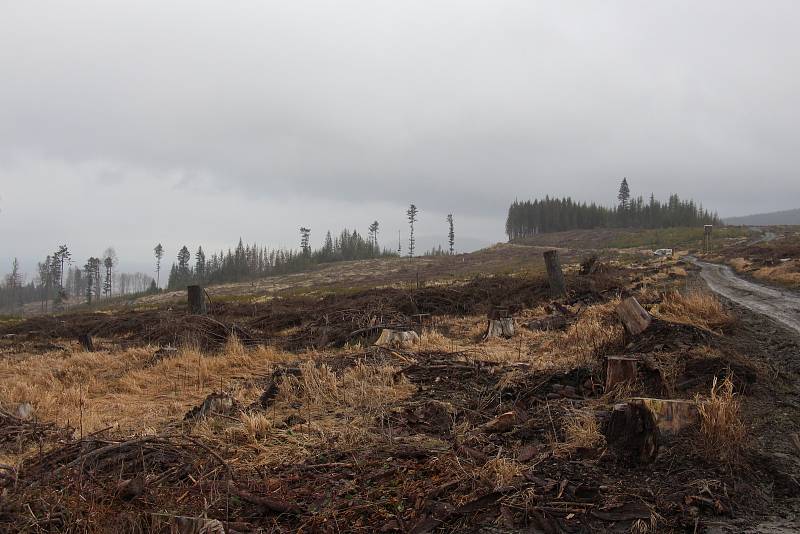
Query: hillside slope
(786, 217)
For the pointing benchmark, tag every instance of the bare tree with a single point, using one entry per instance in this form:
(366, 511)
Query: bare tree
(412, 218)
(14, 281)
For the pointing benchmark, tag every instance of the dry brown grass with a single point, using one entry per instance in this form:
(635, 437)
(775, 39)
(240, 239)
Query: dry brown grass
(499, 472)
(581, 431)
(366, 388)
(722, 432)
(698, 308)
(787, 274)
(94, 390)
(595, 329)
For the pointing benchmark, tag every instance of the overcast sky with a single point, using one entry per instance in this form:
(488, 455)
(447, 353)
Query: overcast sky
(196, 122)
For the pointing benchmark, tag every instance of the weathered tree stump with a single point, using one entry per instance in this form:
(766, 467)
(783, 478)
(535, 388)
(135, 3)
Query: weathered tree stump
(197, 300)
(671, 415)
(86, 342)
(634, 318)
(620, 369)
(500, 328)
(558, 287)
(397, 339)
(632, 433)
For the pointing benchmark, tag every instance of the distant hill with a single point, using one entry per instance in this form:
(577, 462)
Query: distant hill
(786, 217)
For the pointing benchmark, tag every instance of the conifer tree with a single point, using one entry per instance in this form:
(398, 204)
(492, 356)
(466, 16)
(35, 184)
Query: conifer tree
(624, 194)
(373, 235)
(305, 237)
(412, 218)
(200, 265)
(159, 253)
(451, 234)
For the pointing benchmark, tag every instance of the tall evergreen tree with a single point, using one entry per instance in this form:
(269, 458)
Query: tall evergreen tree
(200, 264)
(305, 238)
(373, 235)
(451, 234)
(411, 213)
(624, 194)
(159, 253)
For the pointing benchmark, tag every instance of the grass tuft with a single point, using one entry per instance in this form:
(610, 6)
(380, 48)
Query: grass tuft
(698, 308)
(722, 432)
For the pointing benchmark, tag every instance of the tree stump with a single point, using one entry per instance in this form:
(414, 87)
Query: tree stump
(632, 433)
(500, 328)
(397, 339)
(634, 318)
(558, 287)
(86, 342)
(671, 415)
(197, 300)
(620, 369)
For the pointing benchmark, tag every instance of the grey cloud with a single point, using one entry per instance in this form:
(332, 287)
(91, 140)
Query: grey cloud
(461, 105)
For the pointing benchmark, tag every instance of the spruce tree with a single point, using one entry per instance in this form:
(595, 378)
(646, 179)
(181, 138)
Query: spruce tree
(412, 218)
(624, 194)
(200, 265)
(451, 234)
(159, 253)
(305, 237)
(373, 235)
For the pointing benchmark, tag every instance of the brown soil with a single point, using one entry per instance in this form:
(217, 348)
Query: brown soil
(436, 458)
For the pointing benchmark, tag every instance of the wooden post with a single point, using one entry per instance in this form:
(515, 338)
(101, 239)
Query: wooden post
(558, 287)
(197, 300)
(707, 237)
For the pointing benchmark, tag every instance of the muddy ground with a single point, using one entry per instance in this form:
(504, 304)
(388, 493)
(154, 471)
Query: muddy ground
(461, 440)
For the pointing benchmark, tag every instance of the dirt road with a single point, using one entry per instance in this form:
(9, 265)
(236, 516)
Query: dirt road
(781, 305)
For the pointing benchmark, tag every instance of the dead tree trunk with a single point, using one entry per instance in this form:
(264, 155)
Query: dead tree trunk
(558, 287)
(197, 300)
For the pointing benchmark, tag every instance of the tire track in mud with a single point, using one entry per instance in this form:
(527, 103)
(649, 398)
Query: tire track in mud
(782, 306)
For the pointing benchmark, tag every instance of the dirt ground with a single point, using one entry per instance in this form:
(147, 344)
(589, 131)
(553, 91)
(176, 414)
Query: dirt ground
(280, 415)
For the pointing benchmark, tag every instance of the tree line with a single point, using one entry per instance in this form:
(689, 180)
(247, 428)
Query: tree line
(247, 262)
(59, 279)
(531, 217)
